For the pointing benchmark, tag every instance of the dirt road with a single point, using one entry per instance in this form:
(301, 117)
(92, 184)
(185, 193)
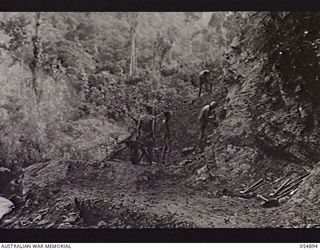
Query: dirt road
(121, 195)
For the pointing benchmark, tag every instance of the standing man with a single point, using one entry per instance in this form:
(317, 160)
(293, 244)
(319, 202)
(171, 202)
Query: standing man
(166, 148)
(204, 117)
(146, 131)
(204, 81)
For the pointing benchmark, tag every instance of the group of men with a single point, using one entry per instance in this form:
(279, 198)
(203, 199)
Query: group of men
(146, 134)
(146, 125)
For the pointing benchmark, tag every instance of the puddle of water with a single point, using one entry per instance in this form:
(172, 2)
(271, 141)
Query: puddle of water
(5, 206)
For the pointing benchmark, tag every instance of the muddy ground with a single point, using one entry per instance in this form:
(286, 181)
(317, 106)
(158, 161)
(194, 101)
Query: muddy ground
(122, 195)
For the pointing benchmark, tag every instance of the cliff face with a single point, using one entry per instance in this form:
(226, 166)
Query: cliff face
(268, 132)
(261, 134)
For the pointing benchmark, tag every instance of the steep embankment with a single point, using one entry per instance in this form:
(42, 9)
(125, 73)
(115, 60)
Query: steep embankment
(265, 135)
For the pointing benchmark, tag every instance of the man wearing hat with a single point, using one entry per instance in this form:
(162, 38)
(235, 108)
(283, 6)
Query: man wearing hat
(205, 116)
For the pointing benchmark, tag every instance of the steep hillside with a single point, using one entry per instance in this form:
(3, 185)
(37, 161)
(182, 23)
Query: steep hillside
(108, 66)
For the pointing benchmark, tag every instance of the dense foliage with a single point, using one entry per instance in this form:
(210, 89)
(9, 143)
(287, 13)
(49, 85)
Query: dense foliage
(67, 78)
(63, 72)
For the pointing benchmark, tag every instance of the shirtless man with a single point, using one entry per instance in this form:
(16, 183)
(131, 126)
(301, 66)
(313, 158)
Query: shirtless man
(146, 132)
(204, 117)
(166, 148)
(204, 81)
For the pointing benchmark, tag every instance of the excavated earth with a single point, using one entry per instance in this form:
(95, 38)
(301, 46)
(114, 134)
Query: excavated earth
(119, 195)
(260, 134)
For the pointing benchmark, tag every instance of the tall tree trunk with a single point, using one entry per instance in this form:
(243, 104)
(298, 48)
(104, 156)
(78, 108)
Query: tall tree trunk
(133, 56)
(136, 59)
(36, 55)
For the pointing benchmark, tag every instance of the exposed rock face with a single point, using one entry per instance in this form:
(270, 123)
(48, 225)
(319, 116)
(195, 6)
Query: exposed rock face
(261, 135)
(236, 151)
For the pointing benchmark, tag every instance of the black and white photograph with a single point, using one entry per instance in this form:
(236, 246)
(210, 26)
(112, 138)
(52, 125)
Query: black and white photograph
(135, 120)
